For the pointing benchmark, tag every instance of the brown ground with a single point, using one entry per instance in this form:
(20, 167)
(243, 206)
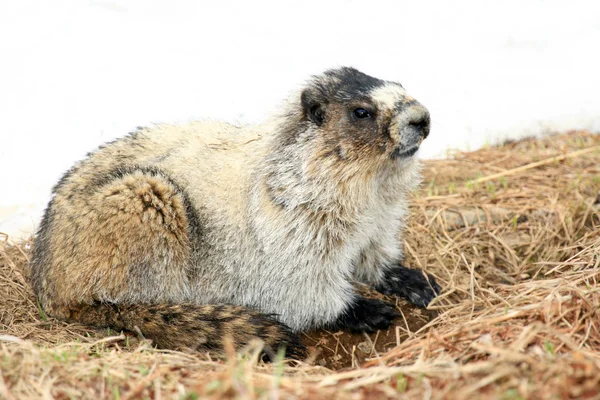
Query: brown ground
(512, 234)
(339, 350)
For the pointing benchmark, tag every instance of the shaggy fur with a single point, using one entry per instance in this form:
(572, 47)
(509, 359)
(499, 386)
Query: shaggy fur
(188, 233)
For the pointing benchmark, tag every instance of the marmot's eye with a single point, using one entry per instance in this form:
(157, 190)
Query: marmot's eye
(361, 113)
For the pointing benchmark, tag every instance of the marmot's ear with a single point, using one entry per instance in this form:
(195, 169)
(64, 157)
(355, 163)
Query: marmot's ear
(313, 109)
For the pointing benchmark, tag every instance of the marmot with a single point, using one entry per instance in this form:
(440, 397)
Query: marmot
(191, 233)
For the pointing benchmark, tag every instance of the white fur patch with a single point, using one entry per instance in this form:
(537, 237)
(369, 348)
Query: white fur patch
(388, 94)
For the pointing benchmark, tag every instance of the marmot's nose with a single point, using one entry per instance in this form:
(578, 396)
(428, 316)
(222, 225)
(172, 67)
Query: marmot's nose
(419, 120)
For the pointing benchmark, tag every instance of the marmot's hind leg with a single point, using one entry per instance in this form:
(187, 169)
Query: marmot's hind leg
(123, 236)
(117, 253)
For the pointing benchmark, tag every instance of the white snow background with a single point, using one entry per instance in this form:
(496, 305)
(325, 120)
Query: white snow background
(74, 74)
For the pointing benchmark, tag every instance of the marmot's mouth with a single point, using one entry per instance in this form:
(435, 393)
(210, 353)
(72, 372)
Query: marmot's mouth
(398, 152)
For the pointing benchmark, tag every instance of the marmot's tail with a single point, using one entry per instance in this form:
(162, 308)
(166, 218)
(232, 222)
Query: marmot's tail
(205, 327)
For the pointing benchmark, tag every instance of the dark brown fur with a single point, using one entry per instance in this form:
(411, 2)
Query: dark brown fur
(191, 327)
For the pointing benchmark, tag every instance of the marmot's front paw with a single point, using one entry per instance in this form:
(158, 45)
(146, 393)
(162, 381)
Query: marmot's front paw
(414, 285)
(366, 315)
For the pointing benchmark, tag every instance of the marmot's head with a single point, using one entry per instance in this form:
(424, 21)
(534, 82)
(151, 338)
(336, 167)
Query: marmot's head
(359, 117)
(344, 134)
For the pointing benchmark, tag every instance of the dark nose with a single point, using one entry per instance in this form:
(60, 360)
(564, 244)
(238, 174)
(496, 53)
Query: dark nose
(420, 121)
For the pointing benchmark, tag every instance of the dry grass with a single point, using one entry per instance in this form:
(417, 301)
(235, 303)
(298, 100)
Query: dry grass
(518, 257)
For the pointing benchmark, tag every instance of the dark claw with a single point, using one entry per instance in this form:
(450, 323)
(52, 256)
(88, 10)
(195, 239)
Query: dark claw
(366, 315)
(414, 285)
